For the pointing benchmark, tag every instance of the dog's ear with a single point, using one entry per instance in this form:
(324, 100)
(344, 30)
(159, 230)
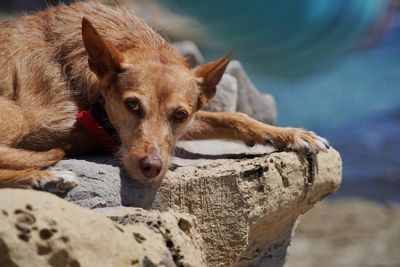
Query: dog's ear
(209, 75)
(105, 60)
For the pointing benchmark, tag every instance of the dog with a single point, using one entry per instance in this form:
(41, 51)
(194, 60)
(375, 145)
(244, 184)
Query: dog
(67, 69)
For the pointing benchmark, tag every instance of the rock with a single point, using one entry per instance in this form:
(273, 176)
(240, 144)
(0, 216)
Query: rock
(349, 232)
(246, 208)
(173, 25)
(218, 149)
(226, 97)
(101, 178)
(234, 85)
(99, 182)
(190, 51)
(103, 185)
(40, 229)
(250, 101)
(4, 17)
(177, 231)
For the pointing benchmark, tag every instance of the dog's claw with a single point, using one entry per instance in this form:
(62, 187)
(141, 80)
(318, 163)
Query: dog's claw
(327, 145)
(302, 141)
(61, 182)
(312, 143)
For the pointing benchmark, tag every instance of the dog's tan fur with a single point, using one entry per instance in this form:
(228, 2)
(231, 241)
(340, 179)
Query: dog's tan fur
(53, 65)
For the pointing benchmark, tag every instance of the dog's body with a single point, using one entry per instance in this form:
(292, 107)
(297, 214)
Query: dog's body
(53, 66)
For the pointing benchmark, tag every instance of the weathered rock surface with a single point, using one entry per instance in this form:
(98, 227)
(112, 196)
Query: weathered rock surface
(177, 231)
(103, 185)
(250, 101)
(40, 229)
(246, 208)
(226, 97)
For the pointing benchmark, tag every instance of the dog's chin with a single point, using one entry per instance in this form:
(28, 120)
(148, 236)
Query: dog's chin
(144, 180)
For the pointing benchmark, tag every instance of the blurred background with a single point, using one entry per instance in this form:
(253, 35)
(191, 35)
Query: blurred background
(333, 67)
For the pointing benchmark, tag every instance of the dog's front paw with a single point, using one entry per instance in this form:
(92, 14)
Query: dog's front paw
(57, 182)
(298, 140)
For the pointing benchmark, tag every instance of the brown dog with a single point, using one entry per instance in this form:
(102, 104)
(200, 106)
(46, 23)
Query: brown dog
(54, 65)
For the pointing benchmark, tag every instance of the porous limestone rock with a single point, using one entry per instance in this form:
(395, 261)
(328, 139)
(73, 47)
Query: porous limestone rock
(40, 229)
(246, 207)
(177, 231)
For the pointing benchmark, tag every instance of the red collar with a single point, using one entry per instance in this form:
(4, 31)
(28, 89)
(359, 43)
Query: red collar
(95, 122)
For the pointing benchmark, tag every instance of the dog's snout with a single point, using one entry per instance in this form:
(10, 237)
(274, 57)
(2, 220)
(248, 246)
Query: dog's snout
(151, 165)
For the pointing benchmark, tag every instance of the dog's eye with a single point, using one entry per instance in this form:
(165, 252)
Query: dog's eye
(180, 116)
(132, 105)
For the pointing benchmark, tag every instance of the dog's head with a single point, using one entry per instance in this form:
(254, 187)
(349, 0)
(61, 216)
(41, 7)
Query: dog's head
(150, 97)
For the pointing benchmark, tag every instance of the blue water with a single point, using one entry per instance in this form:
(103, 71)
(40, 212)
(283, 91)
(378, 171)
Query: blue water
(352, 98)
(355, 103)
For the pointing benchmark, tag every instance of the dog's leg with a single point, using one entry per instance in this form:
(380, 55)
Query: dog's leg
(13, 128)
(51, 181)
(238, 126)
(13, 124)
(19, 168)
(20, 159)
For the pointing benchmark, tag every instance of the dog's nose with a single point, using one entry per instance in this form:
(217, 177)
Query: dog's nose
(151, 165)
